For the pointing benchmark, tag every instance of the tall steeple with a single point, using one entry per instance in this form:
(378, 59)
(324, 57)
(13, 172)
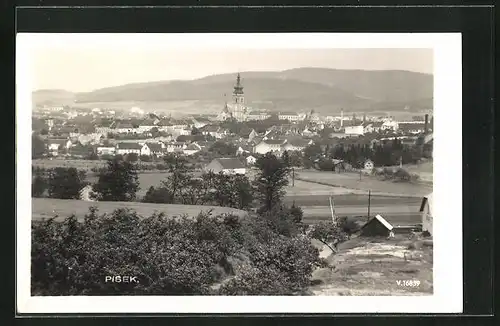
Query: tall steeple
(238, 94)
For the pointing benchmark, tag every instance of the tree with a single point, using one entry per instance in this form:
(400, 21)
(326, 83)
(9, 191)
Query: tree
(92, 156)
(223, 149)
(155, 132)
(271, 181)
(117, 182)
(160, 195)
(145, 158)
(313, 151)
(39, 184)
(195, 131)
(178, 178)
(132, 157)
(286, 159)
(37, 147)
(65, 183)
(329, 234)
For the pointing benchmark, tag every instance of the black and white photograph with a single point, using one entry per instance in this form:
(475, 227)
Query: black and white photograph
(193, 172)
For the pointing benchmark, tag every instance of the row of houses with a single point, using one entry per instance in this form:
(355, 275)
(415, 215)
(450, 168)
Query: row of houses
(279, 146)
(149, 149)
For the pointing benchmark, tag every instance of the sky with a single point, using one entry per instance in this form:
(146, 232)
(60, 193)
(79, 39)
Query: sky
(86, 66)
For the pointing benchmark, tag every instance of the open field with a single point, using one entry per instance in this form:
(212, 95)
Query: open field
(47, 208)
(424, 170)
(365, 183)
(302, 191)
(396, 215)
(78, 164)
(367, 267)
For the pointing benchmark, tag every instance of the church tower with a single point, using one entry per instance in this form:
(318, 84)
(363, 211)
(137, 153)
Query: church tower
(239, 100)
(238, 95)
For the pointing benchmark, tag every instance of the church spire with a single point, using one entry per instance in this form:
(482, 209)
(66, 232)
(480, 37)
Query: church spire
(238, 89)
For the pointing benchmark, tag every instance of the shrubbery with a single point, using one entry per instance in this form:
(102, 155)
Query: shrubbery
(169, 256)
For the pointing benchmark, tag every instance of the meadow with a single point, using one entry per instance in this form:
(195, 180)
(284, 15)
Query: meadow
(48, 208)
(354, 181)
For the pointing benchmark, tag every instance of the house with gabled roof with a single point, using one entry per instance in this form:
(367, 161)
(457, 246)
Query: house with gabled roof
(175, 147)
(128, 148)
(152, 149)
(426, 209)
(226, 166)
(124, 127)
(376, 226)
(146, 125)
(247, 134)
(297, 144)
(411, 127)
(192, 149)
(270, 145)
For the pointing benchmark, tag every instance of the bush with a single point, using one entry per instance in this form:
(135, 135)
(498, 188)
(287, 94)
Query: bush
(169, 256)
(348, 225)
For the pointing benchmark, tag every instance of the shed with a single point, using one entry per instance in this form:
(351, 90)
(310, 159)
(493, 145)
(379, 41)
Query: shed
(376, 226)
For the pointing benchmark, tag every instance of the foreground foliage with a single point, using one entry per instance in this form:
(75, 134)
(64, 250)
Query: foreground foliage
(169, 256)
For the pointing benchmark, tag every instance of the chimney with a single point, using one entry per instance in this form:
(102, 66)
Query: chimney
(341, 118)
(426, 125)
(364, 117)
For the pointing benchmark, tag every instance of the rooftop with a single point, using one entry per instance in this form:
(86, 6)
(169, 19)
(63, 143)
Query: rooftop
(230, 163)
(128, 146)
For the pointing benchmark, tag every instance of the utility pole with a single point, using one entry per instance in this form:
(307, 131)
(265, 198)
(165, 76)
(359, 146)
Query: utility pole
(369, 202)
(293, 176)
(332, 210)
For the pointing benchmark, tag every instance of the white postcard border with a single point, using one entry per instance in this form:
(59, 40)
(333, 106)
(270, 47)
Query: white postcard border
(447, 194)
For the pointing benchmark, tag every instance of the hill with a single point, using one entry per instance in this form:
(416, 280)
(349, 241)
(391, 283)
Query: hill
(296, 89)
(53, 97)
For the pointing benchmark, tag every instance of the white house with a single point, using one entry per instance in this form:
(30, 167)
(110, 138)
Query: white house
(255, 115)
(128, 148)
(251, 160)
(106, 150)
(175, 147)
(389, 125)
(226, 166)
(152, 149)
(55, 146)
(269, 145)
(146, 126)
(426, 209)
(290, 116)
(192, 149)
(355, 130)
(297, 144)
(124, 128)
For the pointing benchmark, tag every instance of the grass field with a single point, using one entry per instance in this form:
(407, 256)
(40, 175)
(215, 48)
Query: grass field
(47, 208)
(354, 182)
(365, 267)
(78, 164)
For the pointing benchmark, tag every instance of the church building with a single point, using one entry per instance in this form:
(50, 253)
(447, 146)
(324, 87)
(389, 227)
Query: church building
(237, 109)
